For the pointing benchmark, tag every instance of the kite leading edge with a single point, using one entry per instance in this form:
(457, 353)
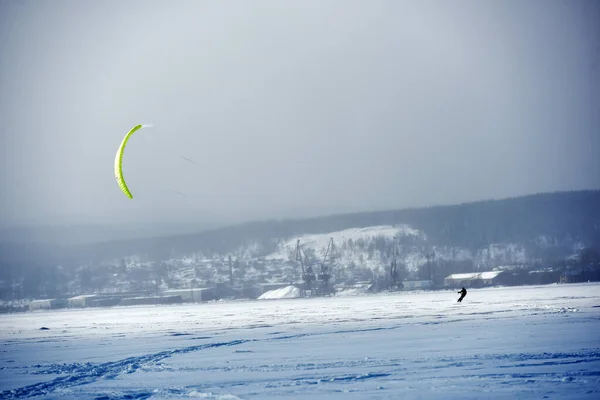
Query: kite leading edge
(119, 161)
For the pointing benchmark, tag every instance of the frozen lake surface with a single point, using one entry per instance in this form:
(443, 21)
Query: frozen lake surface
(500, 343)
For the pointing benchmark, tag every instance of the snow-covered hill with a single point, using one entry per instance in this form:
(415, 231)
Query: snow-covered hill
(319, 242)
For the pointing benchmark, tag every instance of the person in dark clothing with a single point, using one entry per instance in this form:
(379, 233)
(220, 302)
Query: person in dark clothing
(462, 293)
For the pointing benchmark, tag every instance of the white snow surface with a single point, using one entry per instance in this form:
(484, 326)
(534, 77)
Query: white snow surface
(288, 292)
(499, 343)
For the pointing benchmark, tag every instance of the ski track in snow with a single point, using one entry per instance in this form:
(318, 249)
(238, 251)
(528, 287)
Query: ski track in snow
(81, 374)
(521, 343)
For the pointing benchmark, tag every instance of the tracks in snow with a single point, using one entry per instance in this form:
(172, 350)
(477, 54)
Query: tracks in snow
(81, 375)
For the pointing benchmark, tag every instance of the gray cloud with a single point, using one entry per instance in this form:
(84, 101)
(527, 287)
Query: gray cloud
(292, 108)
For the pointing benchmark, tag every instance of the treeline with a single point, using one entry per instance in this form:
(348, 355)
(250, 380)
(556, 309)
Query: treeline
(566, 218)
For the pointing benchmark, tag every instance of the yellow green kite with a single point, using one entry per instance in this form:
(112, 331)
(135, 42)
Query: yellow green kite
(119, 161)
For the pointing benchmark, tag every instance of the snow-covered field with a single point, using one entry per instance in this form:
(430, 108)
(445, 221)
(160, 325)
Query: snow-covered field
(500, 343)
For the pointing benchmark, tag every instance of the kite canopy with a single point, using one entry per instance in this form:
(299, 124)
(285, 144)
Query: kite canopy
(119, 161)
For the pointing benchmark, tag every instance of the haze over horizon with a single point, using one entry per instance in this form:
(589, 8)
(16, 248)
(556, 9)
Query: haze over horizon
(291, 109)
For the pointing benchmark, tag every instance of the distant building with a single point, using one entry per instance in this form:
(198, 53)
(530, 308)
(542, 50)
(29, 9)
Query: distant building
(586, 274)
(50, 304)
(192, 295)
(80, 301)
(543, 277)
(137, 301)
(477, 279)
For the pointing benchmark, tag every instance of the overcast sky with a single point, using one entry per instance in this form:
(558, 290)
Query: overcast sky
(291, 108)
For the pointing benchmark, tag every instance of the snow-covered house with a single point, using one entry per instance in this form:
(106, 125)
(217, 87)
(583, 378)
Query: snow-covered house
(475, 279)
